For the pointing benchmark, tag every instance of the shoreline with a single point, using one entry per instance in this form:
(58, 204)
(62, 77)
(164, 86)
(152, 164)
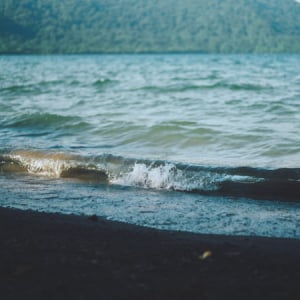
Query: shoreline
(54, 256)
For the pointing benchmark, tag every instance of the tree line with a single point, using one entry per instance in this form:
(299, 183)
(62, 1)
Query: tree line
(139, 26)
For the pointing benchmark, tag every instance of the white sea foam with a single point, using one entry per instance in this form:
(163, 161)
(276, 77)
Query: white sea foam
(159, 177)
(168, 176)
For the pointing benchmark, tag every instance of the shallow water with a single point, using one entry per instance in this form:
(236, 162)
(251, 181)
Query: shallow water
(200, 143)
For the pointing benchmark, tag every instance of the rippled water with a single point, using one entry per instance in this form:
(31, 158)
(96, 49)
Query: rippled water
(210, 139)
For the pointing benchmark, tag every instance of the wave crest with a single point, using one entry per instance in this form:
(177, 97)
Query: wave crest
(279, 184)
(54, 165)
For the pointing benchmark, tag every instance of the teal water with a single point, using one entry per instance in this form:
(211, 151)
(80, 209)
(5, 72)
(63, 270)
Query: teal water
(201, 143)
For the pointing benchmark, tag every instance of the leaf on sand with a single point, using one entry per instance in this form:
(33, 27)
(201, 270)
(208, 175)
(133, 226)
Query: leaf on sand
(205, 255)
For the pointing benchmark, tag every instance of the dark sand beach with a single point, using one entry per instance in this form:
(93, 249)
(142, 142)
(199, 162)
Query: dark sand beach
(52, 256)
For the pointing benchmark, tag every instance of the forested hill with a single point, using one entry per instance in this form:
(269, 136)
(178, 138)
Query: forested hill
(114, 26)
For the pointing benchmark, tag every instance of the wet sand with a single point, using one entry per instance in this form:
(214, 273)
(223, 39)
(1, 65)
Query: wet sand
(53, 256)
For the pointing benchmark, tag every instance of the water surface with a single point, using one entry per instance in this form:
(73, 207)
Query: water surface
(201, 143)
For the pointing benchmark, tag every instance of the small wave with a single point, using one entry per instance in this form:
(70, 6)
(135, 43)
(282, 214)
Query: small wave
(30, 88)
(246, 87)
(43, 120)
(237, 86)
(172, 89)
(19, 89)
(214, 86)
(278, 184)
(103, 82)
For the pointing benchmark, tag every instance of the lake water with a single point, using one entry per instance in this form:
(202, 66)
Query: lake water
(202, 143)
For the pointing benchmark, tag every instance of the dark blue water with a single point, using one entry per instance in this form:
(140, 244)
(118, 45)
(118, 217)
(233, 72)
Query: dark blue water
(200, 143)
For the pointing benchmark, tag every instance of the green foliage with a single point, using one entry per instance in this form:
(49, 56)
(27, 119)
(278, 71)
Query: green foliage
(129, 26)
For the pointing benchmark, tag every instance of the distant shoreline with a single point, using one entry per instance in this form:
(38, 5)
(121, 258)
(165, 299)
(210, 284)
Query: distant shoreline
(171, 26)
(152, 53)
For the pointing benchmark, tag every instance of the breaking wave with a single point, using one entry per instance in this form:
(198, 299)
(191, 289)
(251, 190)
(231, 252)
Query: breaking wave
(258, 183)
